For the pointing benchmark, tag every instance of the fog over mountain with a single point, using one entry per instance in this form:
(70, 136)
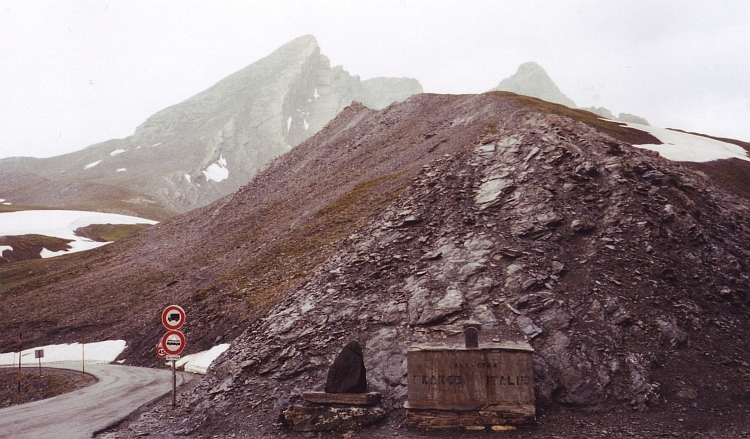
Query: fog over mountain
(192, 153)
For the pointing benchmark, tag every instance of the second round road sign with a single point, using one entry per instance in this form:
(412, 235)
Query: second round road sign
(173, 342)
(173, 317)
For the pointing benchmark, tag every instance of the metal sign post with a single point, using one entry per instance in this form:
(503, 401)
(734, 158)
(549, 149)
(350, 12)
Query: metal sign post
(173, 342)
(39, 353)
(174, 385)
(20, 345)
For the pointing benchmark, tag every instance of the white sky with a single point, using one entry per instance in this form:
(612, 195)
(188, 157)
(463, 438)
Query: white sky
(73, 73)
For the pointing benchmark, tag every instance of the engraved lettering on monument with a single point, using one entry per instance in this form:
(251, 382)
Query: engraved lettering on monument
(495, 381)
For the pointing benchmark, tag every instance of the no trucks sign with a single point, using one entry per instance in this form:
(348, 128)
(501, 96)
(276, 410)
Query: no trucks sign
(173, 317)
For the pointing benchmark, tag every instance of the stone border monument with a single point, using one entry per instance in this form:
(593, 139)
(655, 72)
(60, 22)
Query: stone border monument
(471, 386)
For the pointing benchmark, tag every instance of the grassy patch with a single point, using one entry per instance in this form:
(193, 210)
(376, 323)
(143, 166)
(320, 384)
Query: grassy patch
(109, 232)
(733, 174)
(287, 262)
(614, 129)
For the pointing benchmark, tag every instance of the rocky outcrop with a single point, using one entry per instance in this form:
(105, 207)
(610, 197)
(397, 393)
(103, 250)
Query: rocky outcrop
(543, 230)
(623, 117)
(531, 80)
(626, 272)
(192, 153)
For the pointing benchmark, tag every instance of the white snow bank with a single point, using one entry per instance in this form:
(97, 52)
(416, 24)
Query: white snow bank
(4, 247)
(98, 352)
(199, 363)
(683, 147)
(117, 151)
(122, 169)
(217, 171)
(91, 165)
(61, 224)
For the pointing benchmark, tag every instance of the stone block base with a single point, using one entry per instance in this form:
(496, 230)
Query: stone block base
(511, 415)
(300, 418)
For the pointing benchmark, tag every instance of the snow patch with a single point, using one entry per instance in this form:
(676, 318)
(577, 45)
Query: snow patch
(117, 151)
(317, 95)
(156, 144)
(61, 224)
(99, 352)
(217, 171)
(91, 165)
(289, 123)
(683, 147)
(4, 247)
(200, 362)
(187, 177)
(6, 204)
(307, 125)
(121, 169)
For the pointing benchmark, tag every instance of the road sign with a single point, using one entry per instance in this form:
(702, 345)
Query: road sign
(173, 357)
(39, 353)
(160, 352)
(173, 342)
(173, 317)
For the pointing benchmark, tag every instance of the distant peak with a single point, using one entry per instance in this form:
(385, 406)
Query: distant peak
(304, 41)
(529, 66)
(531, 80)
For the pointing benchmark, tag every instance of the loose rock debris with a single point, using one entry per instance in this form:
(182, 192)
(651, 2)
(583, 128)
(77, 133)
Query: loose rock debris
(627, 274)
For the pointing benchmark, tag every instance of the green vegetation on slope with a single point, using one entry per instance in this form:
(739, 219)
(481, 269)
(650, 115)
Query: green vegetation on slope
(109, 232)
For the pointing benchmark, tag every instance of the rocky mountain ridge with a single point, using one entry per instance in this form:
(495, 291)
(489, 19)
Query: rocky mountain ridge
(626, 272)
(622, 270)
(532, 80)
(206, 147)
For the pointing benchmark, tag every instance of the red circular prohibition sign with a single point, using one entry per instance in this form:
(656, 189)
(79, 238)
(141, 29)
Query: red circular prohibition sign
(173, 317)
(173, 342)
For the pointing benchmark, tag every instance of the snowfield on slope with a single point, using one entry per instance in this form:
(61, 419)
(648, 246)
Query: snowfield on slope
(104, 352)
(99, 352)
(684, 147)
(61, 224)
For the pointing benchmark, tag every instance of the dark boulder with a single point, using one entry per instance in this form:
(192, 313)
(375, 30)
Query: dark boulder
(347, 374)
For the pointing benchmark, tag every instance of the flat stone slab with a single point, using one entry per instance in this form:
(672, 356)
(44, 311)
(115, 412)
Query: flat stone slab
(322, 418)
(370, 398)
(499, 415)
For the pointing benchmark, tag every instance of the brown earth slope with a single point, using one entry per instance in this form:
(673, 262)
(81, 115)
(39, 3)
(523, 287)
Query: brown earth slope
(625, 271)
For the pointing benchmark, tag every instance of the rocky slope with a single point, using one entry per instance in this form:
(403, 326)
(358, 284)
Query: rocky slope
(192, 153)
(626, 272)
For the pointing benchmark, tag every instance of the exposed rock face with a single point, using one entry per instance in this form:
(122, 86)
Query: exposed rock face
(623, 117)
(194, 152)
(541, 229)
(532, 80)
(627, 273)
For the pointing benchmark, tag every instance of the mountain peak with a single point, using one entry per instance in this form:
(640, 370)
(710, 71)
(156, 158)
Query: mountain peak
(532, 80)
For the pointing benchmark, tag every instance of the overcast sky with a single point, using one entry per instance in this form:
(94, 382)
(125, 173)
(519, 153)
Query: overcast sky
(74, 73)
